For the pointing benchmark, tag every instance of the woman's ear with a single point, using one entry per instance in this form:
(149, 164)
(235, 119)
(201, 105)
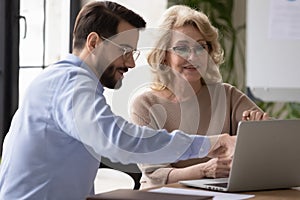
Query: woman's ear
(166, 63)
(166, 59)
(92, 41)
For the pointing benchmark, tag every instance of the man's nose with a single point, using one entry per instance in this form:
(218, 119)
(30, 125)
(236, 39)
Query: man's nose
(129, 62)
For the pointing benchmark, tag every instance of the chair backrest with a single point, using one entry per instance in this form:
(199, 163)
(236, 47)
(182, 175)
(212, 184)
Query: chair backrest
(130, 169)
(110, 179)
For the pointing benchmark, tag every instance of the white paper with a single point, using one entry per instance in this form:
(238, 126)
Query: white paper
(217, 195)
(284, 21)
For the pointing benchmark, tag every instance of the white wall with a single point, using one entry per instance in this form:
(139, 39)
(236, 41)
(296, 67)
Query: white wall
(272, 52)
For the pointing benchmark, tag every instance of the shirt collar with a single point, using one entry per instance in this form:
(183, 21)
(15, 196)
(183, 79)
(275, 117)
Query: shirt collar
(75, 60)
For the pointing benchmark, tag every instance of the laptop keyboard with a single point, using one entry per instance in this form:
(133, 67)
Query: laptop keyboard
(224, 185)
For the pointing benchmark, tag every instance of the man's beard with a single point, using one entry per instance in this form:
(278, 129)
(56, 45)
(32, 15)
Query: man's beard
(107, 78)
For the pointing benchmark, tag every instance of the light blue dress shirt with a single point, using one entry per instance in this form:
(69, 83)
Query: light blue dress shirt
(64, 126)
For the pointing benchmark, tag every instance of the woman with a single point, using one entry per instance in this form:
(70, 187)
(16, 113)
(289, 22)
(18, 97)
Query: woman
(188, 94)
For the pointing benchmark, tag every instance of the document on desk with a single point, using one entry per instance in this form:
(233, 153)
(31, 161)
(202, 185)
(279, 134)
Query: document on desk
(216, 195)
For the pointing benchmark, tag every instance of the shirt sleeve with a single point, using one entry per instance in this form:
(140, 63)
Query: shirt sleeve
(81, 111)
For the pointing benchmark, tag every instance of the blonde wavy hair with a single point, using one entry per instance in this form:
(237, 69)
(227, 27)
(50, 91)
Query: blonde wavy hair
(175, 17)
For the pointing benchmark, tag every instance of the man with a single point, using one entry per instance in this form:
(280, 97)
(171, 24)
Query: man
(64, 126)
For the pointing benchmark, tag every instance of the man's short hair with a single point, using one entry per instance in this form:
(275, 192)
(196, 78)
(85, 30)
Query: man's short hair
(102, 17)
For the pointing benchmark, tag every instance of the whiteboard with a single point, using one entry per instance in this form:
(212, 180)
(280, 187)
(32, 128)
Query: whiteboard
(273, 49)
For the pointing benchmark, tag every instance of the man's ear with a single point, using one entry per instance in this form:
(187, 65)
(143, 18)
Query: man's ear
(92, 41)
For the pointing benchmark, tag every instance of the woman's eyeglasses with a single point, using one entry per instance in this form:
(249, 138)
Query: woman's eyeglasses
(127, 51)
(185, 51)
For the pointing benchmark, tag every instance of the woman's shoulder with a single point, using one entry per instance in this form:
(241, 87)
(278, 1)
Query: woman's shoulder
(227, 89)
(146, 95)
(226, 86)
(144, 98)
(232, 89)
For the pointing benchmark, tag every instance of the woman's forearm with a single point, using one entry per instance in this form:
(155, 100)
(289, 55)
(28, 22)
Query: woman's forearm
(191, 172)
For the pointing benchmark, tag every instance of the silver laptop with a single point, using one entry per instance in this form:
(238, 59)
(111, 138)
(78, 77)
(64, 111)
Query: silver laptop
(267, 156)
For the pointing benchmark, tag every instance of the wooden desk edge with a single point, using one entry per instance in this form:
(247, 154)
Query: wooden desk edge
(283, 194)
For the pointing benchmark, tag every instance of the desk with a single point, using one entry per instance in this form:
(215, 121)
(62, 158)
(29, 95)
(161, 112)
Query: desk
(284, 194)
(288, 194)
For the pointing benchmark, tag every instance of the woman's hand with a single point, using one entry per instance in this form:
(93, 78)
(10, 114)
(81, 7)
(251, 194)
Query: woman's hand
(254, 115)
(217, 167)
(222, 149)
(214, 168)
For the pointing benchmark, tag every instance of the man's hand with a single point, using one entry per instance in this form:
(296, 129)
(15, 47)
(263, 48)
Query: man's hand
(222, 146)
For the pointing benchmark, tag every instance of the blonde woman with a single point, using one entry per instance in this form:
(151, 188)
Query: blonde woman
(188, 94)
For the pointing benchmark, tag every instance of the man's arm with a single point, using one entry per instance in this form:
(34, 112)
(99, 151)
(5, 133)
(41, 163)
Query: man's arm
(89, 119)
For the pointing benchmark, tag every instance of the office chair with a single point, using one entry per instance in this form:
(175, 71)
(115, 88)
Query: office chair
(111, 179)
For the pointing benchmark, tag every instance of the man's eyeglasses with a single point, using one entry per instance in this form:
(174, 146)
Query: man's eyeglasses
(185, 51)
(127, 51)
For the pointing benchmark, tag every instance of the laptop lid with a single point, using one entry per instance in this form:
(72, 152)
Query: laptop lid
(266, 157)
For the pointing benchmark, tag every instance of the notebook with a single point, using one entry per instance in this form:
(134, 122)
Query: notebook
(267, 156)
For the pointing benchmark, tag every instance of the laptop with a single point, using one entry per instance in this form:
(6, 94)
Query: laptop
(267, 156)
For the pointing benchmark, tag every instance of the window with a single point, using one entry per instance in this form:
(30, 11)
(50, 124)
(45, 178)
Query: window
(44, 37)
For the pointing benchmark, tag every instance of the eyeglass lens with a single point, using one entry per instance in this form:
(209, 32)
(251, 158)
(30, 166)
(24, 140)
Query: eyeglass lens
(134, 53)
(186, 50)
